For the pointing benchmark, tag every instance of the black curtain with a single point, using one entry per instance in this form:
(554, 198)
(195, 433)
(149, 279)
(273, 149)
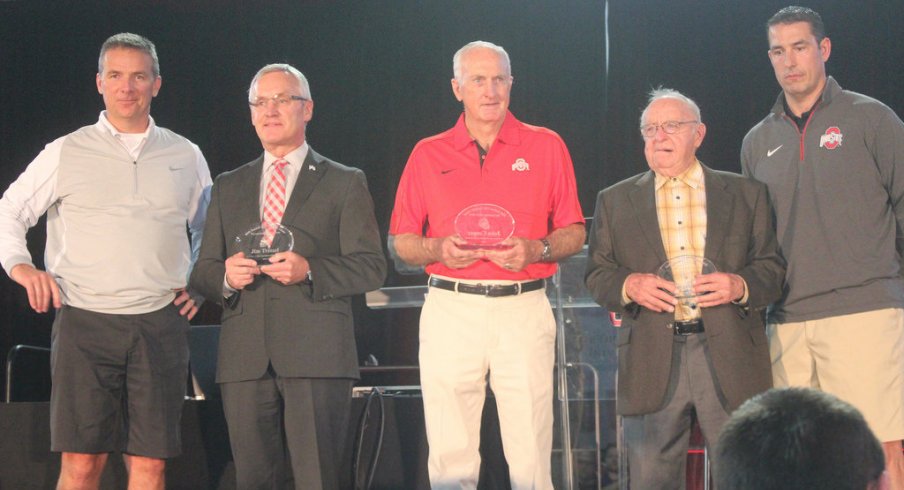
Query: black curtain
(379, 74)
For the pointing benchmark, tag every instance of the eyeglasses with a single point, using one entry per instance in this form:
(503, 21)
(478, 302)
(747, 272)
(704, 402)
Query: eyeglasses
(668, 127)
(281, 100)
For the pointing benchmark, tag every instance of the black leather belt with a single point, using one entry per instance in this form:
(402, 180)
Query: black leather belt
(491, 290)
(687, 328)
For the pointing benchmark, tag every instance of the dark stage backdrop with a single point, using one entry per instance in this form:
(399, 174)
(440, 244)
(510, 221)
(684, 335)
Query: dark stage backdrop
(379, 73)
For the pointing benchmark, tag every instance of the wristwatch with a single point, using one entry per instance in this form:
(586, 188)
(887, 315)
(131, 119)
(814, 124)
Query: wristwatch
(546, 255)
(308, 278)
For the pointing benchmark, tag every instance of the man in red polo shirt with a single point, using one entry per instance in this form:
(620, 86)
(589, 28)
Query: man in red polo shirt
(487, 309)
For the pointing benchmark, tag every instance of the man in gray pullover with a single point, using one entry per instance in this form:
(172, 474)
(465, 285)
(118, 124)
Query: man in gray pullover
(118, 195)
(831, 159)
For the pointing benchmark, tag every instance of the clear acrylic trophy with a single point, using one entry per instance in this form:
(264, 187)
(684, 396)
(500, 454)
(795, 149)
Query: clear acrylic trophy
(484, 226)
(254, 244)
(682, 270)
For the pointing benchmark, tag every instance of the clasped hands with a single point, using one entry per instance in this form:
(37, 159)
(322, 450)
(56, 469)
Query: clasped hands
(657, 294)
(513, 254)
(286, 268)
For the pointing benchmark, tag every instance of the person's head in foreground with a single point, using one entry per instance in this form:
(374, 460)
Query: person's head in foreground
(798, 438)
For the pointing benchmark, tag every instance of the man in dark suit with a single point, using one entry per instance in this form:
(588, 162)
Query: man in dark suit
(287, 357)
(705, 354)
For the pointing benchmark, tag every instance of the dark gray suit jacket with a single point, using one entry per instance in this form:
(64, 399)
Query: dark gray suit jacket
(303, 330)
(740, 238)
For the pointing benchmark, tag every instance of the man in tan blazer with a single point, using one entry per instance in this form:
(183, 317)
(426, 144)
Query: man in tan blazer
(705, 356)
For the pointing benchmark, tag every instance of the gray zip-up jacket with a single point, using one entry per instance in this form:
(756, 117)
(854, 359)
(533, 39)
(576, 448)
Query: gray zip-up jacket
(838, 192)
(117, 238)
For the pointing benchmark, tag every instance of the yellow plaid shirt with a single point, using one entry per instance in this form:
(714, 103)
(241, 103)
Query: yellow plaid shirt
(681, 209)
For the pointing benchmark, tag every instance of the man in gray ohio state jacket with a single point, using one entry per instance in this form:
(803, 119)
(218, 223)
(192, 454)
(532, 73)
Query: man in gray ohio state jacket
(831, 159)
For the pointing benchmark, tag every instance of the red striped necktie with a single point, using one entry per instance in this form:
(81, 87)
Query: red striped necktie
(274, 202)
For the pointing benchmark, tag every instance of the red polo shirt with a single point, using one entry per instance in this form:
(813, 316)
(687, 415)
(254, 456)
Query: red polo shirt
(528, 171)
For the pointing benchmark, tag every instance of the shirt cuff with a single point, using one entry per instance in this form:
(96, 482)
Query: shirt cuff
(227, 289)
(624, 294)
(745, 296)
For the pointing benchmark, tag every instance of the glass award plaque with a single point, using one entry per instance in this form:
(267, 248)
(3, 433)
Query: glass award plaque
(484, 226)
(682, 270)
(255, 246)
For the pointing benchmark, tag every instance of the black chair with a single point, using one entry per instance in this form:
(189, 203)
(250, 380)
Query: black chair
(27, 374)
(203, 342)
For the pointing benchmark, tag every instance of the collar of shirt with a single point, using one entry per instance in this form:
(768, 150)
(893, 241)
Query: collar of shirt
(295, 159)
(801, 121)
(508, 133)
(829, 92)
(132, 142)
(692, 177)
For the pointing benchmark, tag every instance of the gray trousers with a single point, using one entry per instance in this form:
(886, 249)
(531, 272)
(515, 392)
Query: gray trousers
(288, 433)
(657, 442)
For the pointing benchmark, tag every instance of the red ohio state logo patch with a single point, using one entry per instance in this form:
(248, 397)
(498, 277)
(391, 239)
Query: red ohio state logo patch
(832, 138)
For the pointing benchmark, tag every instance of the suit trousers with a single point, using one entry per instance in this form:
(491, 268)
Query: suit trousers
(657, 442)
(462, 338)
(285, 429)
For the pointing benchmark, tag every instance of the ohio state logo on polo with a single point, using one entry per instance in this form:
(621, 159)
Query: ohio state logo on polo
(520, 165)
(832, 138)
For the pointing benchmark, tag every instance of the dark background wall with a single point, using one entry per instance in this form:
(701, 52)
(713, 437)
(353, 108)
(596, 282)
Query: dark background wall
(379, 73)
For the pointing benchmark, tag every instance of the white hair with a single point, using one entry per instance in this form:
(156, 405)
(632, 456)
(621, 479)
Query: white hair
(283, 67)
(668, 93)
(456, 59)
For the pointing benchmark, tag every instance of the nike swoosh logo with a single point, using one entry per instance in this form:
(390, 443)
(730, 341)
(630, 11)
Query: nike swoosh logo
(770, 152)
(444, 172)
